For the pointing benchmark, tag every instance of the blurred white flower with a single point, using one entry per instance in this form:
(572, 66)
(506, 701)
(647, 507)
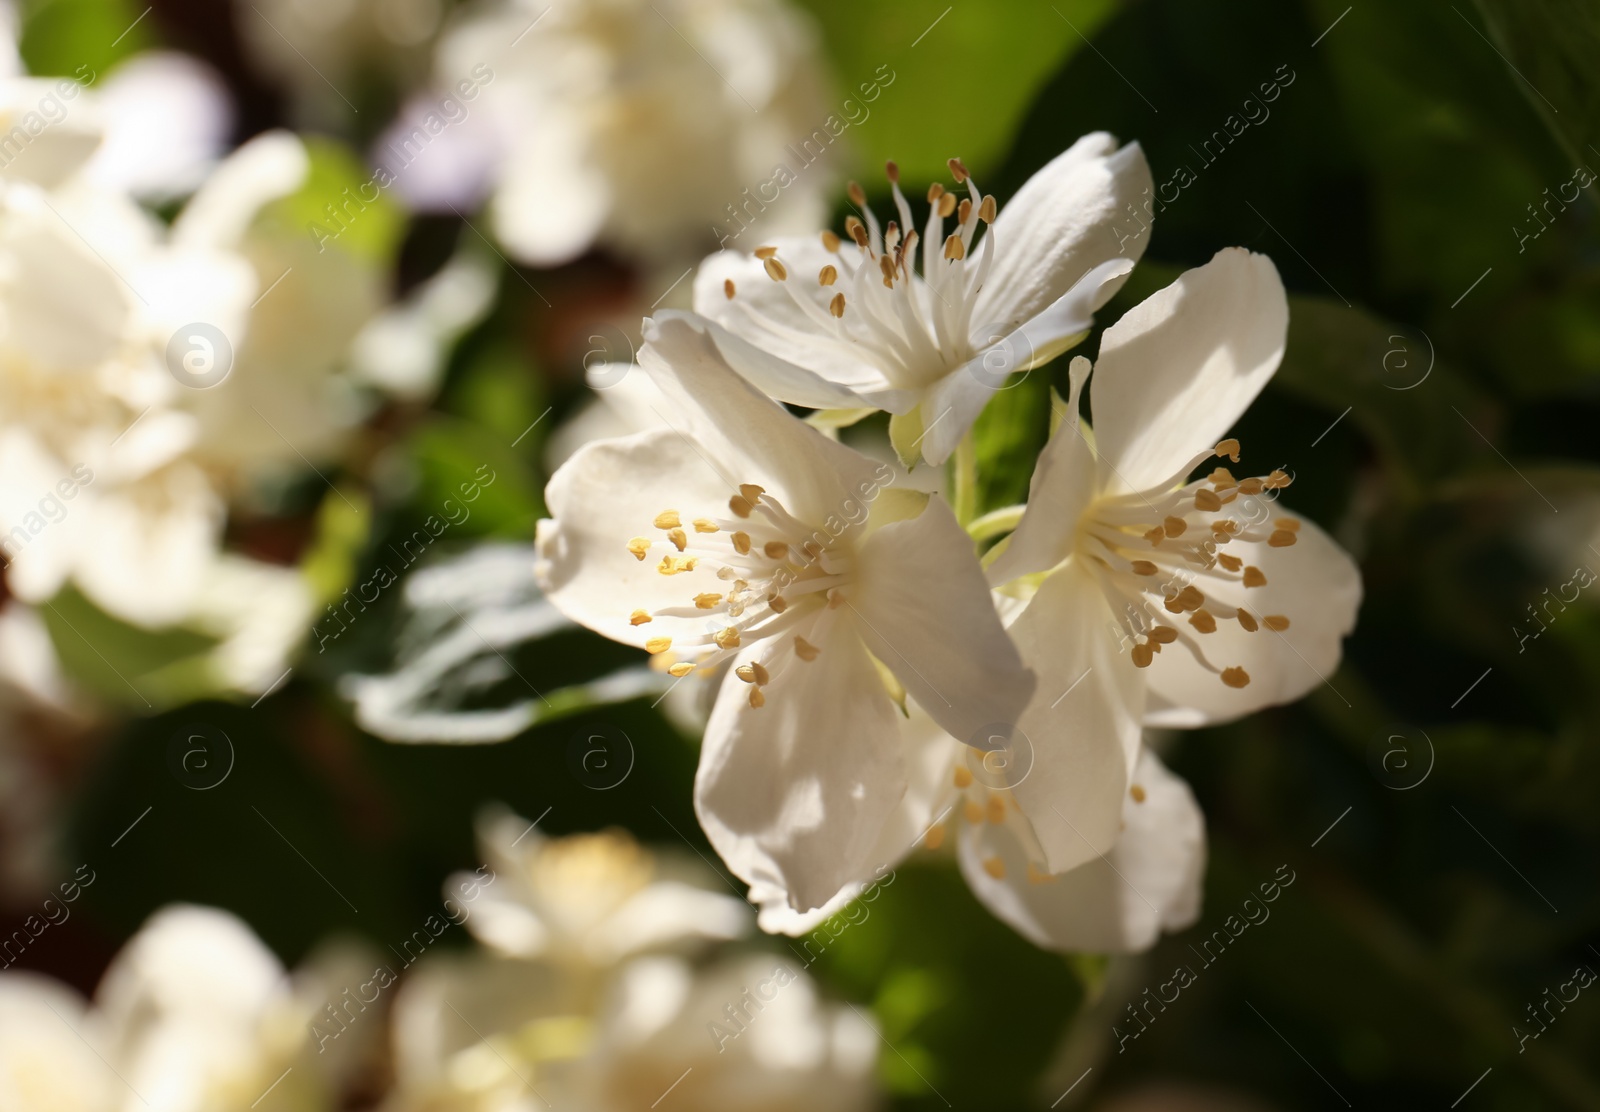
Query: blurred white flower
(167, 119)
(759, 542)
(193, 1015)
(591, 900)
(629, 124)
(821, 323)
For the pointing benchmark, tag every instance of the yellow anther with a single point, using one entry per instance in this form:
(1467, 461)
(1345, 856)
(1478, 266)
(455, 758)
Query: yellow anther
(752, 491)
(681, 669)
(704, 525)
(857, 194)
(1191, 598)
(726, 638)
(1207, 500)
(757, 700)
(775, 270)
(746, 673)
(812, 549)
(668, 519)
(858, 232)
(995, 868)
(804, 649)
(775, 550)
(1037, 875)
(963, 777)
(1143, 567)
(996, 809)
(639, 617)
(886, 266)
(1236, 677)
(964, 210)
(639, 546)
(1231, 563)
(1203, 621)
(1276, 622)
(958, 170)
(1253, 577)
(828, 275)
(934, 838)
(1163, 635)
(766, 252)
(891, 169)
(1277, 480)
(762, 675)
(676, 565)
(1223, 479)
(1225, 526)
(1229, 448)
(741, 543)
(1247, 620)
(740, 505)
(987, 210)
(1250, 486)
(1288, 523)
(830, 242)
(972, 811)
(954, 248)
(947, 204)
(1143, 655)
(935, 191)
(1174, 526)
(679, 539)
(707, 600)
(836, 306)
(1282, 538)
(728, 288)
(1156, 536)
(778, 603)
(657, 645)
(1137, 791)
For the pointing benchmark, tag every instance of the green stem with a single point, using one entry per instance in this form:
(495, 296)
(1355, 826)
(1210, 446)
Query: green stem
(995, 522)
(964, 496)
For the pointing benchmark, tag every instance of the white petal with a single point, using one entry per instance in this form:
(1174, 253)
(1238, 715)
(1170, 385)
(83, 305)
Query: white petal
(1065, 480)
(848, 385)
(52, 154)
(1062, 223)
(168, 118)
(62, 306)
(955, 401)
(1120, 903)
(666, 913)
(737, 427)
(924, 610)
(794, 794)
(270, 166)
(1314, 583)
(1179, 368)
(51, 1049)
(1083, 722)
(609, 492)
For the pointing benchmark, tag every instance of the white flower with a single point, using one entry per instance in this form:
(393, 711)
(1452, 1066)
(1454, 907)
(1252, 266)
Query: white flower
(1146, 883)
(1151, 599)
(743, 535)
(829, 325)
(632, 124)
(193, 1015)
(589, 900)
(167, 119)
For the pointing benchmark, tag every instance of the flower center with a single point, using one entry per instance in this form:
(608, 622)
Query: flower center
(873, 305)
(1165, 547)
(783, 582)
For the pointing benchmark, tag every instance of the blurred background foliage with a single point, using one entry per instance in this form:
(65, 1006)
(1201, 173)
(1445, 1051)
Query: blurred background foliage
(1438, 408)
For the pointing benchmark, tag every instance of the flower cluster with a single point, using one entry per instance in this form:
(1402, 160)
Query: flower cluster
(892, 668)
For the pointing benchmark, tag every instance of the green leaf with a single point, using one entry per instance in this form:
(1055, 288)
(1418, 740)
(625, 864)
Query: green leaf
(1554, 44)
(466, 469)
(1009, 435)
(340, 206)
(82, 37)
(946, 80)
(125, 665)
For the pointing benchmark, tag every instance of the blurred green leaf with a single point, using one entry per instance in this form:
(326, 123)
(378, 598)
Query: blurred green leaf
(952, 80)
(340, 206)
(1008, 436)
(502, 494)
(61, 36)
(1554, 44)
(124, 664)
(342, 528)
